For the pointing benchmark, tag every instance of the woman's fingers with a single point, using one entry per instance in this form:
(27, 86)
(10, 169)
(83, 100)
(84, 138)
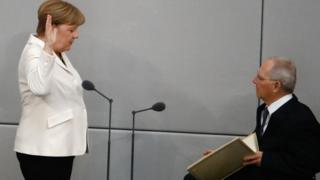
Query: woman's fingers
(49, 22)
(50, 35)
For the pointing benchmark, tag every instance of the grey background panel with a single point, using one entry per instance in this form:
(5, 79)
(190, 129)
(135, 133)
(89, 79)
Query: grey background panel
(94, 164)
(197, 56)
(17, 21)
(167, 155)
(140, 52)
(291, 28)
(9, 165)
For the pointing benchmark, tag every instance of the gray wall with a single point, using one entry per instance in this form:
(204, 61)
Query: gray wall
(199, 57)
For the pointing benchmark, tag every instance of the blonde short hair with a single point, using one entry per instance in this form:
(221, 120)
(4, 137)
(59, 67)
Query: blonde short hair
(62, 13)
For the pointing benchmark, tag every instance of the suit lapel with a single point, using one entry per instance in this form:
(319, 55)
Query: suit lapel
(279, 115)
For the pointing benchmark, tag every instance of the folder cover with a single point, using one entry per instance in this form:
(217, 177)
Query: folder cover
(225, 160)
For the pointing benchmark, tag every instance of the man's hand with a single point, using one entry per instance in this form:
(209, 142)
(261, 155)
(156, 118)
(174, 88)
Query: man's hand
(254, 159)
(206, 152)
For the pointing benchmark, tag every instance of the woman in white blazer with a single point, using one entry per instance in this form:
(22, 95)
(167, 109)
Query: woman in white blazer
(53, 124)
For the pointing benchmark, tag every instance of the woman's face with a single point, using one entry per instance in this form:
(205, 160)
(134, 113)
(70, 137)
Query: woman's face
(66, 34)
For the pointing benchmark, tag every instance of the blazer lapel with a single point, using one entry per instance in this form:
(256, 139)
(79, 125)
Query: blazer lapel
(67, 67)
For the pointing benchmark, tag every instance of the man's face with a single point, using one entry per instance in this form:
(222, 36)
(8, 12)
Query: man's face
(66, 34)
(264, 85)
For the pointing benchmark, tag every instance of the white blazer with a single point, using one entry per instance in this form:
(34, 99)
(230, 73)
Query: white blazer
(54, 117)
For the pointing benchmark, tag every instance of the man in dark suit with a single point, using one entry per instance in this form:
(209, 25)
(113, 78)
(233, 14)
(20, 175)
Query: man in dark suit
(288, 132)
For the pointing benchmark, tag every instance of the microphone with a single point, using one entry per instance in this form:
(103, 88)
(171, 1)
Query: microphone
(89, 86)
(159, 106)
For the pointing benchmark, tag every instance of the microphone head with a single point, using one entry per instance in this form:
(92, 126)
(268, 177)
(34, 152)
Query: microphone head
(88, 85)
(159, 106)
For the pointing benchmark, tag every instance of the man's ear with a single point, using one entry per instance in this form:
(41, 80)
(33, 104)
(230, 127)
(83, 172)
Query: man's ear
(277, 86)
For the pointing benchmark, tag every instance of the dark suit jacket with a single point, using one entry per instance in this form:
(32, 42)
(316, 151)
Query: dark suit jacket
(290, 145)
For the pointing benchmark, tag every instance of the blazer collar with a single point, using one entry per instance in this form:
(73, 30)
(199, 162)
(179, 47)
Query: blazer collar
(38, 42)
(35, 41)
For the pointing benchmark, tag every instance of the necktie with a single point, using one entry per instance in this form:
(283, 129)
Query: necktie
(265, 114)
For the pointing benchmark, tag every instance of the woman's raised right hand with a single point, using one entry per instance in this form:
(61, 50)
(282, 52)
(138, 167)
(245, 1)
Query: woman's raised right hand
(50, 35)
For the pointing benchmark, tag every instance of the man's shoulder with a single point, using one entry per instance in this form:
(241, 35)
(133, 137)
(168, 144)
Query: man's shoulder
(295, 109)
(300, 113)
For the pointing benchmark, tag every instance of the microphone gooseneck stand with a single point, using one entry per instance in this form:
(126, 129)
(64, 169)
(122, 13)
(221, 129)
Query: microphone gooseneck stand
(109, 132)
(132, 142)
(156, 107)
(89, 86)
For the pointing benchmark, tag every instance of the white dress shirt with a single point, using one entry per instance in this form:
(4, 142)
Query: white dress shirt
(275, 106)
